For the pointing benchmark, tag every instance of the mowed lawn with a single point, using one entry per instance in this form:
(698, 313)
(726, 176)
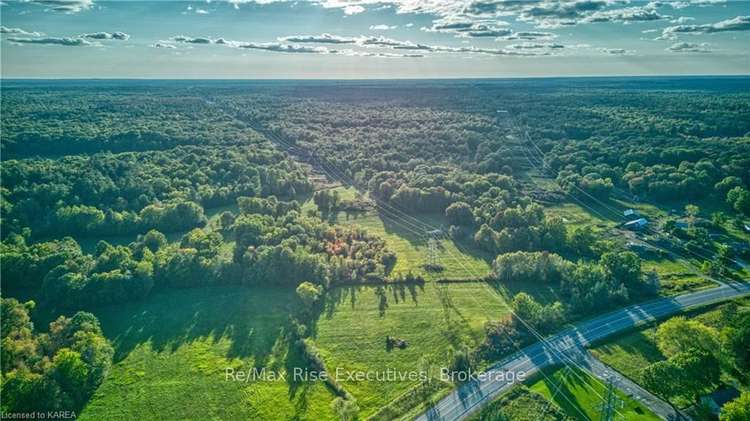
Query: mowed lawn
(351, 335)
(172, 350)
(580, 395)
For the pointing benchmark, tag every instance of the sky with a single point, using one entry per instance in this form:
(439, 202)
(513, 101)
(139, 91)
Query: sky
(362, 39)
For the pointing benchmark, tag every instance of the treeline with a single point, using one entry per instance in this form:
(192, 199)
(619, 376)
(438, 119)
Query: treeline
(114, 194)
(275, 244)
(664, 170)
(57, 370)
(585, 288)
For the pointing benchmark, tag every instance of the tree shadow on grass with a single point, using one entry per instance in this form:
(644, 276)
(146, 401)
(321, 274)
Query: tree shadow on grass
(251, 318)
(350, 295)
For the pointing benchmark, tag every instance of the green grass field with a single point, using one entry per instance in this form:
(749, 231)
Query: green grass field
(351, 333)
(576, 216)
(174, 346)
(459, 261)
(580, 395)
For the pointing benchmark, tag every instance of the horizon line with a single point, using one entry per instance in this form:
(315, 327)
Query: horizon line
(448, 78)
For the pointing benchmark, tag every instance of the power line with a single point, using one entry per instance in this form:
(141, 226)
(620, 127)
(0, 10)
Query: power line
(330, 168)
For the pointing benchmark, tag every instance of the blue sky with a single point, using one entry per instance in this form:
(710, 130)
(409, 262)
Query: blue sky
(372, 39)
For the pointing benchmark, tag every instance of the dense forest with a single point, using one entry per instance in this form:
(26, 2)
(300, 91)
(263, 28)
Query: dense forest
(233, 184)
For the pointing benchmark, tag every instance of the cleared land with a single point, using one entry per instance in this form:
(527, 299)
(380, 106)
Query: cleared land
(173, 347)
(580, 395)
(351, 334)
(411, 246)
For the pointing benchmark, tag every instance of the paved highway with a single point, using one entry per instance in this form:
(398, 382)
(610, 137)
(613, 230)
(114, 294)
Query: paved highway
(567, 344)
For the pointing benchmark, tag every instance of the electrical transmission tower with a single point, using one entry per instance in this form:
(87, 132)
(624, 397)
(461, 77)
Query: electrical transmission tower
(432, 256)
(610, 403)
(433, 260)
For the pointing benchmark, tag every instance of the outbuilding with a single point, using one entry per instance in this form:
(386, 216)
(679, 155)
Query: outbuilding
(636, 225)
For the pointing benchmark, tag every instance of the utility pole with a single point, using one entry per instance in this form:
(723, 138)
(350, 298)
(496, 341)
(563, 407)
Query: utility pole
(611, 401)
(432, 256)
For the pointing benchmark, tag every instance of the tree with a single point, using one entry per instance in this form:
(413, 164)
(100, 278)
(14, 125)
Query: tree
(55, 371)
(309, 293)
(460, 364)
(154, 240)
(460, 213)
(248, 230)
(737, 409)
(728, 183)
(662, 378)
(739, 199)
(679, 334)
(699, 371)
(735, 343)
(526, 308)
(226, 219)
(537, 267)
(485, 238)
(501, 337)
(71, 373)
(624, 267)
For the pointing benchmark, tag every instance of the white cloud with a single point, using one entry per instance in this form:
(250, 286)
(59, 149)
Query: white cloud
(626, 15)
(682, 20)
(530, 36)
(281, 47)
(321, 39)
(19, 31)
(689, 47)
(535, 46)
(65, 6)
(382, 27)
(522, 50)
(120, 36)
(739, 23)
(64, 41)
(353, 10)
(190, 40)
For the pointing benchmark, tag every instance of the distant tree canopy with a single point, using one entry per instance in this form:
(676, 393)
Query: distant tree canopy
(114, 194)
